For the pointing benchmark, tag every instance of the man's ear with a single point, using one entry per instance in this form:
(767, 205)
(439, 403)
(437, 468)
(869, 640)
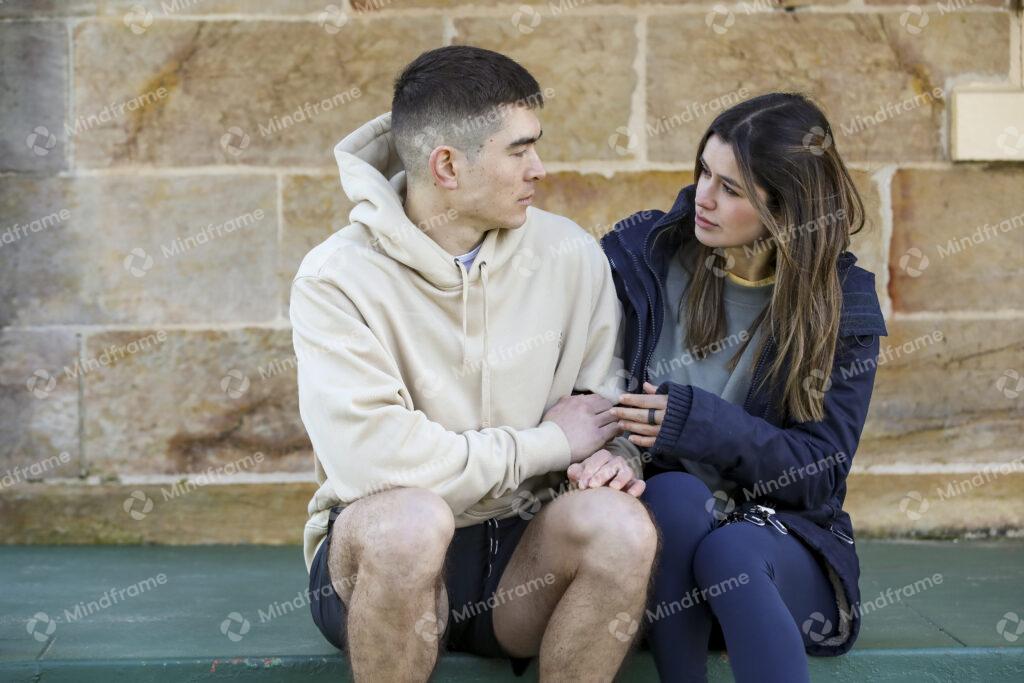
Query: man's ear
(442, 168)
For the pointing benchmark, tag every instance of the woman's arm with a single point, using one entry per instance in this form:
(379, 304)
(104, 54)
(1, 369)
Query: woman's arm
(801, 466)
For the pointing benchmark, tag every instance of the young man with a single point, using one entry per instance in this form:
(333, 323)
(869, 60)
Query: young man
(440, 338)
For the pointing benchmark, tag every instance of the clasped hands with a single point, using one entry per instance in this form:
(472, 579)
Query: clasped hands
(590, 421)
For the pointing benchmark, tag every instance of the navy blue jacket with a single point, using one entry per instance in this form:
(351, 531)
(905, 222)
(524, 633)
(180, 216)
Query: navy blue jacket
(757, 443)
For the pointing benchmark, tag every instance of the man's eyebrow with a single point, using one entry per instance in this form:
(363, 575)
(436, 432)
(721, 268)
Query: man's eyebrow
(525, 141)
(723, 177)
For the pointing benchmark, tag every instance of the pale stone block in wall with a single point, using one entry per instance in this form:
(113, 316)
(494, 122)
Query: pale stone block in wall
(985, 500)
(187, 401)
(272, 513)
(237, 92)
(855, 65)
(38, 406)
(958, 239)
(157, 9)
(936, 7)
(960, 399)
(587, 63)
(139, 249)
(597, 202)
(546, 8)
(314, 208)
(33, 96)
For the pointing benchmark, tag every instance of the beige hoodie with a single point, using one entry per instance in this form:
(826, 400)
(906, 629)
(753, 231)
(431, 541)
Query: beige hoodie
(413, 372)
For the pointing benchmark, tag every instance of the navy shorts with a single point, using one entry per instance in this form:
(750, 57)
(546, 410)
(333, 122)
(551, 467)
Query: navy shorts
(476, 559)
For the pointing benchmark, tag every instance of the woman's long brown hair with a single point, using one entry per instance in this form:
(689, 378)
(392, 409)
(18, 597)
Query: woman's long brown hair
(784, 144)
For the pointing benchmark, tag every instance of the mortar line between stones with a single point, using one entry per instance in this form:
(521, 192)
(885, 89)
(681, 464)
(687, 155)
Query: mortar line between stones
(1017, 47)
(505, 9)
(261, 478)
(606, 167)
(638, 103)
(448, 31)
(82, 464)
(883, 181)
(1010, 314)
(69, 93)
(279, 260)
(284, 324)
(1000, 314)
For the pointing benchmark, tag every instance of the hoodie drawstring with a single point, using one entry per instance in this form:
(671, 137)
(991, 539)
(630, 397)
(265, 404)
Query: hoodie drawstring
(485, 381)
(465, 304)
(485, 368)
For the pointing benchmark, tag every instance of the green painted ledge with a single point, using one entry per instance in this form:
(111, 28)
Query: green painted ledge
(173, 630)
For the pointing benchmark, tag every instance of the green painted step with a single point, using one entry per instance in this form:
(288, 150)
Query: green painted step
(174, 618)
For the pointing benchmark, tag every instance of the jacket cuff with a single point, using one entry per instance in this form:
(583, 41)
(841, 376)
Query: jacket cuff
(545, 448)
(680, 398)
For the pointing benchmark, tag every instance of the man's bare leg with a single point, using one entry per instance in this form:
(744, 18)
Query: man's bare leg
(600, 546)
(386, 560)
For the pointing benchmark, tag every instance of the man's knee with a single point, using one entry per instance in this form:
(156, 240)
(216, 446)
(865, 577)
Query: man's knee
(403, 533)
(609, 523)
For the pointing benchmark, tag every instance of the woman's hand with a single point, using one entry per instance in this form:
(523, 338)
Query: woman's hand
(635, 416)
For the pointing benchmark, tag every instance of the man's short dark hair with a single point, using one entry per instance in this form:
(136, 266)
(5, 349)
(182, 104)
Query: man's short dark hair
(455, 96)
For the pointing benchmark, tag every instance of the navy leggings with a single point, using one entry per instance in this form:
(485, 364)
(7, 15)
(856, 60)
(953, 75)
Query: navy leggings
(759, 585)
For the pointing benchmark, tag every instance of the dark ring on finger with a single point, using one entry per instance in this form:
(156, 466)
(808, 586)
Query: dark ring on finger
(650, 416)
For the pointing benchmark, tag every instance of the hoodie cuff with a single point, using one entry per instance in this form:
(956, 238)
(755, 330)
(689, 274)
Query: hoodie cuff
(680, 398)
(545, 448)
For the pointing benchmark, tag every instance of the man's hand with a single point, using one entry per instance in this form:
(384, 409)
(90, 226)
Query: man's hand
(605, 469)
(587, 421)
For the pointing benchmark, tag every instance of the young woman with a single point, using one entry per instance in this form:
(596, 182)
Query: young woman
(751, 338)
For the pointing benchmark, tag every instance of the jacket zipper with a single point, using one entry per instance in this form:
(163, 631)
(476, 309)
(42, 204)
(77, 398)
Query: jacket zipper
(838, 533)
(661, 292)
(650, 304)
(611, 262)
(753, 379)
